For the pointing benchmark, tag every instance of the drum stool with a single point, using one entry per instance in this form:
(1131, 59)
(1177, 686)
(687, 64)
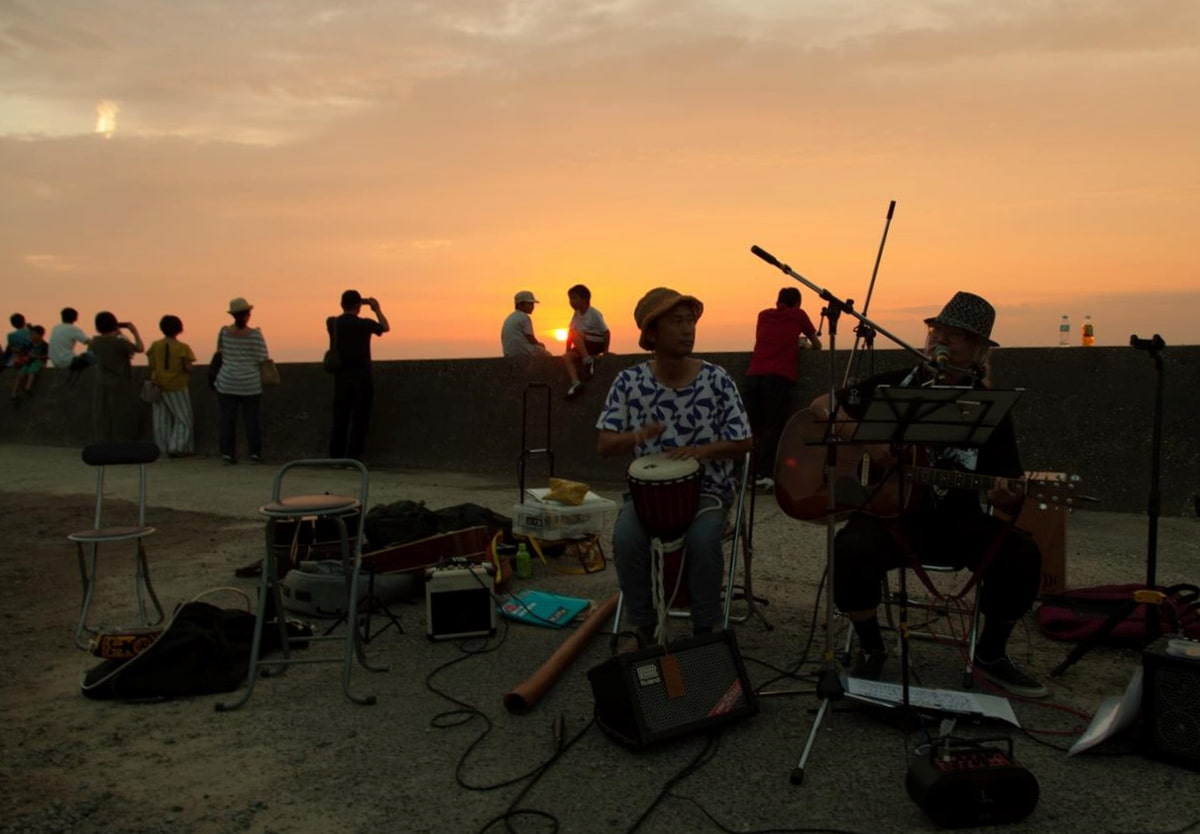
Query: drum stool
(101, 456)
(270, 600)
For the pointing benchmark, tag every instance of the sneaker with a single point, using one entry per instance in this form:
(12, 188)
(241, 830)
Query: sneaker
(765, 484)
(228, 460)
(868, 666)
(1005, 674)
(589, 366)
(574, 390)
(256, 459)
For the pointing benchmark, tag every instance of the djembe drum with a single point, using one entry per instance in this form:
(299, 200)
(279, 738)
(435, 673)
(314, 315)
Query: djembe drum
(666, 497)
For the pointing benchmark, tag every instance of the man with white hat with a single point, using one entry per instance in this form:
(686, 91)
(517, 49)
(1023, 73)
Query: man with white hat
(686, 408)
(516, 335)
(945, 526)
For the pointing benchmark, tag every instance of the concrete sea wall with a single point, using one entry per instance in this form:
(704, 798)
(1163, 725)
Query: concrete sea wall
(1088, 412)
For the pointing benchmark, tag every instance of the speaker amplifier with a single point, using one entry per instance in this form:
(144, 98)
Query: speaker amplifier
(458, 602)
(1171, 701)
(632, 702)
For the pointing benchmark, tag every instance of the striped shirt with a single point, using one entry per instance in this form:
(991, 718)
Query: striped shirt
(242, 351)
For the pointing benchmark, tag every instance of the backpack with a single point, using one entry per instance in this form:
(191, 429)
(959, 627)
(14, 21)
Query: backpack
(399, 522)
(204, 649)
(1077, 615)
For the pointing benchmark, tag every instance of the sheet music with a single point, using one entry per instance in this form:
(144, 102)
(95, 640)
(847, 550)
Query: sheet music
(944, 700)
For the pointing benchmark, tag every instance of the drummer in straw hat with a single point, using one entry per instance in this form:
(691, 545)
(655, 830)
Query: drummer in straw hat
(688, 409)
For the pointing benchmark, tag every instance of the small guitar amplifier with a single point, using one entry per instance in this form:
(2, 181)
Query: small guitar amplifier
(459, 601)
(961, 787)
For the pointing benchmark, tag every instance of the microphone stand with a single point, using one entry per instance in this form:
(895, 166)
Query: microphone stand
(1150, 596)
(864, 333)
(829, 685)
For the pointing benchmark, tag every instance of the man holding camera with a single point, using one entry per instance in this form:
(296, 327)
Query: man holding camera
(353, 391)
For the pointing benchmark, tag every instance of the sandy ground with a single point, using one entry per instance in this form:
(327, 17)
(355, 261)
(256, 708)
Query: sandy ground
(438, 752)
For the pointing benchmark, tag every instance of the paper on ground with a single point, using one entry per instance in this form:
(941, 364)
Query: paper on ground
(1113, 715)
(945, 700)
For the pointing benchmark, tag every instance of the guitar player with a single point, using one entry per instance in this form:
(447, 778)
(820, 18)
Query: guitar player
(946, 527)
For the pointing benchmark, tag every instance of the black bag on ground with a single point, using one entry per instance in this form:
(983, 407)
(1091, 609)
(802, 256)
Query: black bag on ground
(399, 522)
(204, 649)
(462, 516)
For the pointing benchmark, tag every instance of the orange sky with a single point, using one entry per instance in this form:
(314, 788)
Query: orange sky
(443, 156)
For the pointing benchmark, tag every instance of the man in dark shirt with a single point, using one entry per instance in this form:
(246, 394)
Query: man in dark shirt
(353, 390)
(946, 527)
(781, 332)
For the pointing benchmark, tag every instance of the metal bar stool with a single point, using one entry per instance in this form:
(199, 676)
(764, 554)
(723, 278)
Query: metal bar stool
(87, 542)
(270, 600)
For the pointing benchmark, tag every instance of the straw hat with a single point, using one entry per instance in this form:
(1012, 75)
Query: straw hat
(239, 305)
(655, 303)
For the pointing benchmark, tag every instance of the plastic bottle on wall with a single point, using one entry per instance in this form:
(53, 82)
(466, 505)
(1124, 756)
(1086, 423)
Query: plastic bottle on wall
(524, 563)
(1088, 331)
(1064, 332)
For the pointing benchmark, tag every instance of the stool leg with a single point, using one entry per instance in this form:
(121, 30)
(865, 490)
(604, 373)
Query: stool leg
(144, 587)
(353, 646)
(87, 574)
(264, 580)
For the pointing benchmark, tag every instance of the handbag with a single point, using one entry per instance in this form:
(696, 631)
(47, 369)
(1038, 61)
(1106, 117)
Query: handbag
(151, 393)
(214, 364)
(332, 360)
(268, 371)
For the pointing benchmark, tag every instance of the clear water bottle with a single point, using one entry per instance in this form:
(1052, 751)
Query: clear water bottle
(1088, 332)
(1064, 332)
(524, 563)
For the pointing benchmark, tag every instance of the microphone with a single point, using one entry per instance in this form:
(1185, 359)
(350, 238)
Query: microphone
(941, 358)
(765, 255)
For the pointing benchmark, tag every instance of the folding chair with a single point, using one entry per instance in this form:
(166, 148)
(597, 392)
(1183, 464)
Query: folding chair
(87, 542)
(941, 605)
(270, 599)
(736, 537)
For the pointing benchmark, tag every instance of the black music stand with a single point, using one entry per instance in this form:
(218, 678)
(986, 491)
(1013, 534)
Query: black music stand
(932, 416)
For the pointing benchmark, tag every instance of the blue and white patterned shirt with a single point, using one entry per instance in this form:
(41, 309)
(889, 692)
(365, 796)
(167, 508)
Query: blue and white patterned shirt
(707, 410)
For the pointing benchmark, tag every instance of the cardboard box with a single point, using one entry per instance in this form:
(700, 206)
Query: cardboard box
(551, 520)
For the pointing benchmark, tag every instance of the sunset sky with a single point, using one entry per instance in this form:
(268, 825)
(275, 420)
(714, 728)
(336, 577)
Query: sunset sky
(163, 157)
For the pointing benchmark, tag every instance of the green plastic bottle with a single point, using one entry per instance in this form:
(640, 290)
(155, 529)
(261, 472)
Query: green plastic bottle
(524, 564)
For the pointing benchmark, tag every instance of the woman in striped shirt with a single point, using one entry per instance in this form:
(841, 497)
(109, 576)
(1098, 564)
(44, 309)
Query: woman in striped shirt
(239, 383)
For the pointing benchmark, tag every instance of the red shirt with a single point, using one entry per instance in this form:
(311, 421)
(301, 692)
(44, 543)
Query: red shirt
(775, 341)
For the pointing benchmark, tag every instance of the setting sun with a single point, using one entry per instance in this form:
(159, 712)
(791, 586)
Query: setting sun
(561, 334)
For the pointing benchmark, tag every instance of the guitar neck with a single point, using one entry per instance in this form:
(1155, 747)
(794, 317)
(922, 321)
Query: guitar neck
(954, 479)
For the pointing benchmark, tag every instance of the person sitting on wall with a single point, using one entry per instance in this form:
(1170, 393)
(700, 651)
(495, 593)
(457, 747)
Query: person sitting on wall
(516, 334)
(587, 338)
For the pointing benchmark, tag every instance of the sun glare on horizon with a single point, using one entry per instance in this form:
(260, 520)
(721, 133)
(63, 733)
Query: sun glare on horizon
(560, 334)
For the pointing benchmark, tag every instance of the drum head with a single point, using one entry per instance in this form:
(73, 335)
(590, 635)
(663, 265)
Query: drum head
(659, 467)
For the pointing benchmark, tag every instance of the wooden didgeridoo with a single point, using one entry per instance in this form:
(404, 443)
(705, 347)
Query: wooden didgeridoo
(527, 693)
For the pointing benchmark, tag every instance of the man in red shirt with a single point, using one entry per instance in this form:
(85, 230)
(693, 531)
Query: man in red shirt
(782, 331)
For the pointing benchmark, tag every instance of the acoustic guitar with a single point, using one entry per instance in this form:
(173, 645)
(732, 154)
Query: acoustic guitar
(861, 484)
